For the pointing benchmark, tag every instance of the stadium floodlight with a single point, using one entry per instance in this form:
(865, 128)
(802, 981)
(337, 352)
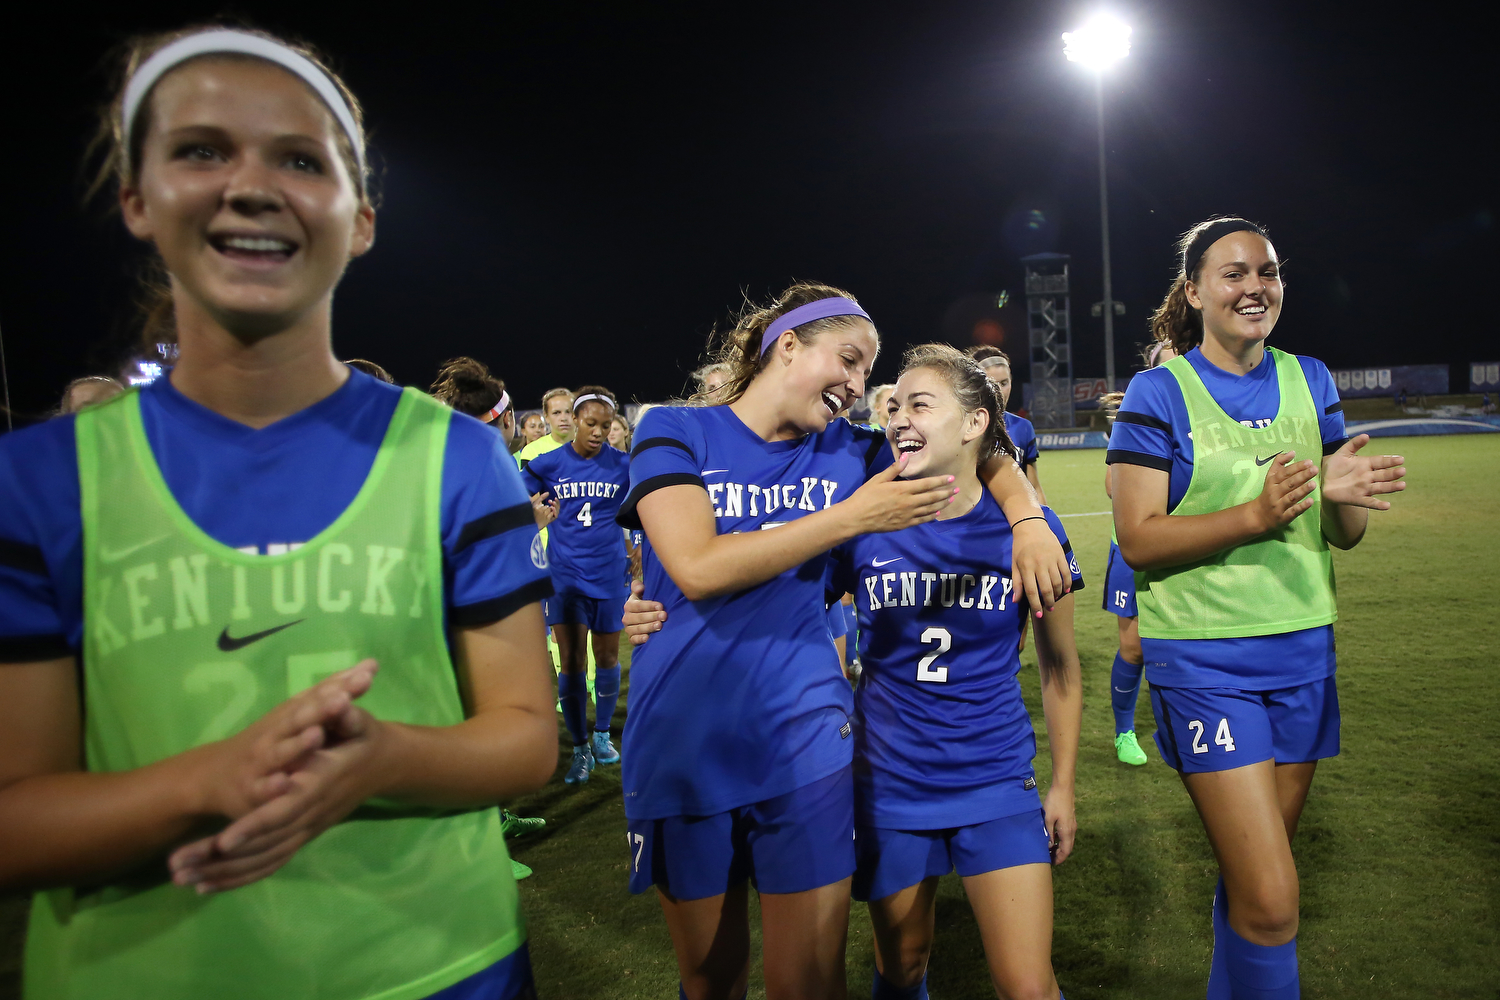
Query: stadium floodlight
(1102, 41)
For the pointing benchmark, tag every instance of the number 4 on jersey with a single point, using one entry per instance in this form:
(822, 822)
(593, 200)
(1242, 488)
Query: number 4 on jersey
(586, 515)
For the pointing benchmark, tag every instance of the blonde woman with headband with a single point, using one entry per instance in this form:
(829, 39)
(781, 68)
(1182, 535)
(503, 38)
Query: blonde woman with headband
(270, 622)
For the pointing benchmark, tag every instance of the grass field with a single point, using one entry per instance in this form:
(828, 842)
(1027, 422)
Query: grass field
(1399, 849)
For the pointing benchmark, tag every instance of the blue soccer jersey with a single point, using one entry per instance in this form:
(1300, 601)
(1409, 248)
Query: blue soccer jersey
(739, 698)
(1023, 436)
(1152, 430)
(263, 491)
(585, 547)
(942, 735)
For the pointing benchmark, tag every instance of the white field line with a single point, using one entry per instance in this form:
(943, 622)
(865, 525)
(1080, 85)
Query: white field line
(1092, 513)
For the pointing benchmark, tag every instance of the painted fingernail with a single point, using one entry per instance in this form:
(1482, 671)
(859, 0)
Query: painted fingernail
(950, 479)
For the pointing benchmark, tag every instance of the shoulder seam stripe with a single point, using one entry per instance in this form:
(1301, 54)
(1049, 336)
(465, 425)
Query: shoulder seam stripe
(1142, 419)
(496, 608)
(23, 557)
(1118, 456)
(628, 518)
(495, 523)
(658, 442)
(31, 648)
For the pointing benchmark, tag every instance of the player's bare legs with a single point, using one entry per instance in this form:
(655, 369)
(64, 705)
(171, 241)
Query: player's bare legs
(1292, 784)
(711, 937)
(1013, 907)
(803, 936)
(1242, 811)
(904, 925)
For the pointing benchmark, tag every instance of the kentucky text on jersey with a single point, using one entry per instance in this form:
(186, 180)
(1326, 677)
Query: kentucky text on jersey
(730, 499)
(577, 491)
(899, 590)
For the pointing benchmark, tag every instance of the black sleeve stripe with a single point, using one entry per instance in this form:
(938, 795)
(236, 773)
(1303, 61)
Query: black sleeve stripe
(658, 443)
(26, 558)
(497, 523)
(1067, 548)
(33, 648)
(1143, 420)
(1118, 456)
(496, 608)
(628, 518)
(1333, 446)
(1334, 407)
(871, 452)
(525, 464)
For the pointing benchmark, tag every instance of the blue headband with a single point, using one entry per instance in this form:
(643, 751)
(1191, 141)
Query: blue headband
(821, 309)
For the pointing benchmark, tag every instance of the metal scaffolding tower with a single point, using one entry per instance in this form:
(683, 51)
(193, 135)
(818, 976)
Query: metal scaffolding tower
(1048, 327)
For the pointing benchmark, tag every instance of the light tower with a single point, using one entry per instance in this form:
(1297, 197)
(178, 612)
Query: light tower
(1049, 333)
(1099, 44)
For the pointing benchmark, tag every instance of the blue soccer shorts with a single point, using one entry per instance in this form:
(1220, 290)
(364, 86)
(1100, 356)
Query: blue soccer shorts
(1218, 729)
(891, 860)
(794, 842)
(1119, 585)
(599, 614)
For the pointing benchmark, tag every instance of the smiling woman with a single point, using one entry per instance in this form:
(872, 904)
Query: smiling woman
(201, 772)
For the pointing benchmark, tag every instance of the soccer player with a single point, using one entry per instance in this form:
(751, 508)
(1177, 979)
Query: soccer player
(877, 397)
(557, 404)
(943, 743)
(996, 364)
(586, 551)
(708, 380)
(738, 732)
(1232, 477)
(533, 427)
(237, 757)
(619, 433)
(1119, 599)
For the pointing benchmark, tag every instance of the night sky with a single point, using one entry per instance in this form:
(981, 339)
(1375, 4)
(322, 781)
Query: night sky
(576, 195)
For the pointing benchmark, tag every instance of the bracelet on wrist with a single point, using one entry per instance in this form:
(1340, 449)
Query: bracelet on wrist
(1033, 517)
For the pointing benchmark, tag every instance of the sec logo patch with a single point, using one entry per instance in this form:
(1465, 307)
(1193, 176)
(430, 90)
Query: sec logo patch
(538, 553)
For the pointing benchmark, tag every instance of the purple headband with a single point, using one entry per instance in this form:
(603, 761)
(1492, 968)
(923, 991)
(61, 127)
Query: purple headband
(821, 309)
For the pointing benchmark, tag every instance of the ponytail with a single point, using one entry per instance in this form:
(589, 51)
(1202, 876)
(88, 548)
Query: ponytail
(467, 385)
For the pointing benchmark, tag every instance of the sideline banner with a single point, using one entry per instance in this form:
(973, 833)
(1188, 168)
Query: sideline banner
(1425, 426)
(1062, 440)
(1429, 380)
(1484, 376)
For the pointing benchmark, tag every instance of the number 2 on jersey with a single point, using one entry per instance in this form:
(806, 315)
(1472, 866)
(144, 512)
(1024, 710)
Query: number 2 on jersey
(586, 515)
(925, 669)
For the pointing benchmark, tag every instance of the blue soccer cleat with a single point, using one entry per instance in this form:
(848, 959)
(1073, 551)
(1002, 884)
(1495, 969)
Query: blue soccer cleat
(603, 750)
(578, 770)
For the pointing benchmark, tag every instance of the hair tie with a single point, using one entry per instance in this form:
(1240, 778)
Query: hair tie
(594, 396)
(1033, 517)
(1155, 355)
(821, 309)
(498, 409)
(226, 41)
(1212, 234)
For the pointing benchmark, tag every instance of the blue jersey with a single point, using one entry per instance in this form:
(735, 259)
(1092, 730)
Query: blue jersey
(585, 547)
(738, 698)
(263, 491)
(942, 735)
(1023, 436)
(1152, 430)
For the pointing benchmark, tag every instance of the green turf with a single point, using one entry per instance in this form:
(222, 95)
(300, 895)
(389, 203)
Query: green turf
(1399, 847)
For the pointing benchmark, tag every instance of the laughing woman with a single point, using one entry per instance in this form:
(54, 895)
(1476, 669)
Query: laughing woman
(1224, 513)
(272, 625)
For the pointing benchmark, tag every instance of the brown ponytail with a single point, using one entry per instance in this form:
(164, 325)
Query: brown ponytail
(739, 347)
(467, 386)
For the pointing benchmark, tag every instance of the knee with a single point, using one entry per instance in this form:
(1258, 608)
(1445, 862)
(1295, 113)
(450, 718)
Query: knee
(907, 967)
(1130, 647)
(1266, 917)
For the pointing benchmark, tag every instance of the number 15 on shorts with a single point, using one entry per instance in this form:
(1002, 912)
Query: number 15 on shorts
(1222, 737)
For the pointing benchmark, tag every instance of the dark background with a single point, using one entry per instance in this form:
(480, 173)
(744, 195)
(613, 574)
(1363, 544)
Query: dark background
(576, 194)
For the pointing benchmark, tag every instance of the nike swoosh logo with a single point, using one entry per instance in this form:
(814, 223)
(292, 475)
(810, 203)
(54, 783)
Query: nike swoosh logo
(1263, 461)
(877, 562)
(106, 555)
(1127, 690)
(229, 643)
(713, 472)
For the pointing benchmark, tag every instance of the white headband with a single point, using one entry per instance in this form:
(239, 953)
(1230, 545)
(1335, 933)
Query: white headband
(242, 43)
(592, 395)
(992, 362)
(499, 408)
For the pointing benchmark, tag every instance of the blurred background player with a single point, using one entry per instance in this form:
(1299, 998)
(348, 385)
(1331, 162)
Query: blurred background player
(87, 391)
(708, 380)
(557, 406)
(619, 433)
(532, 427)
(876, 398)
(1119, 599)
(943, 742)
(587, 555)
(371, 369)
(996, 364)
(1222, 510)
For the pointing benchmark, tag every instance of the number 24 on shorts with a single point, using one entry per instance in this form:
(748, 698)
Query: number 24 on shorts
(1222, 737)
